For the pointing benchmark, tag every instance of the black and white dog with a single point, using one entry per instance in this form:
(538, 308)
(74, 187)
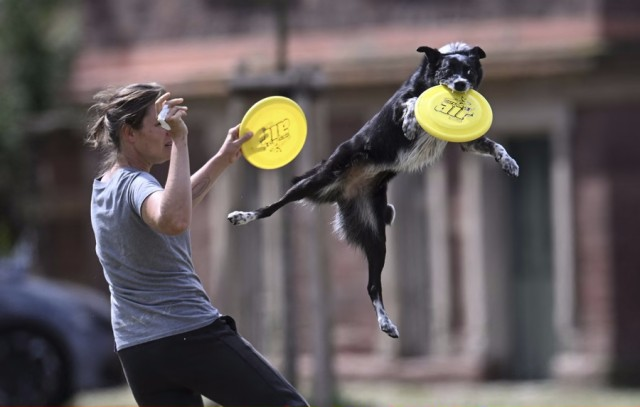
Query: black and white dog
(356, 175)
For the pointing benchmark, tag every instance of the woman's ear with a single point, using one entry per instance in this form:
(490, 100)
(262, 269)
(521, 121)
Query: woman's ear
(127, 133)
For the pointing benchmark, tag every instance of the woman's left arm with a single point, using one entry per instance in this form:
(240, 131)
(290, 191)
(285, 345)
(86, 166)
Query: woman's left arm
(203, 179)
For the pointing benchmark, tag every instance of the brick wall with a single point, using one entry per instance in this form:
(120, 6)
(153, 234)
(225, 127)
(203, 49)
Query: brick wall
(119, 22)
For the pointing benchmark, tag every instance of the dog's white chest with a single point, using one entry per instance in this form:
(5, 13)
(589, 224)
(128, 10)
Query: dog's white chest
(425, 151)
(425, 148)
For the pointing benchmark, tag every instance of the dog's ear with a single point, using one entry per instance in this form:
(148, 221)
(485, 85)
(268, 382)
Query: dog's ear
(477, 52)
(433, 55)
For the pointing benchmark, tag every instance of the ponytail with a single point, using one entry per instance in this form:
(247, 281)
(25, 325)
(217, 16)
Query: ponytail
(113, 109)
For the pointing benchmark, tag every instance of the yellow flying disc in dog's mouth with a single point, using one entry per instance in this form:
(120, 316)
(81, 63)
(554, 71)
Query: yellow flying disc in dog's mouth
(453, 116)
(279, 129)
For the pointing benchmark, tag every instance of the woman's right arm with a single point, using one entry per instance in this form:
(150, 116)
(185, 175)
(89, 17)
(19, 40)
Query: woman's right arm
(169, 211)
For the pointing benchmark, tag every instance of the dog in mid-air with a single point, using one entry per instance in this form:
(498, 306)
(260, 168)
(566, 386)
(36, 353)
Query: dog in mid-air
(356, 175)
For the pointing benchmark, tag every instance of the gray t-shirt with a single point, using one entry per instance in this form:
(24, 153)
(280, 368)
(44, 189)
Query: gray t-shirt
(155, 291)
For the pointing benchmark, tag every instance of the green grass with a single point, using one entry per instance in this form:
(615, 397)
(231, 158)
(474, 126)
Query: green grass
(488, 394)
(390, 394)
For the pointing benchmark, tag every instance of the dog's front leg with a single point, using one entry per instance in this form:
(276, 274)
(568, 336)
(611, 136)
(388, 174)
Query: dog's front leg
(486, 146)
(410, 126)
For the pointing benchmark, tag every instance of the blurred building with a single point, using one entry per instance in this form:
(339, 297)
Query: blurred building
(486, 276)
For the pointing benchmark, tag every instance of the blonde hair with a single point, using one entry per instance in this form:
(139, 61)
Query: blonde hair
(113, 109)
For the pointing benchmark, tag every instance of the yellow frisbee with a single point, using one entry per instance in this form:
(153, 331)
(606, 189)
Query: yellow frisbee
(279, 129)
(453, 116)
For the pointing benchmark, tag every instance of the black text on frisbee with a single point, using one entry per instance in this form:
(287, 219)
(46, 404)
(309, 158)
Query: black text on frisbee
(279, 129)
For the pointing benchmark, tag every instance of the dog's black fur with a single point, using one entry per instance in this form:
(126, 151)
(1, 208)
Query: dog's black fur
(356, 175)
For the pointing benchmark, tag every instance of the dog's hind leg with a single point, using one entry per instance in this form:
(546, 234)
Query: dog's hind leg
(305, 187)
(375, 250)
(295, 193)
(362, 222)
(486, 146)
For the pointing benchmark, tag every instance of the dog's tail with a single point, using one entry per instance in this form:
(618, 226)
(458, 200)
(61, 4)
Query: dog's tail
(356, 219)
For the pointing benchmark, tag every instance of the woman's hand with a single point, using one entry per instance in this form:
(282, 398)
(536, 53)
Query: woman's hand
(175, 115)
(230, 150)
(204, 178)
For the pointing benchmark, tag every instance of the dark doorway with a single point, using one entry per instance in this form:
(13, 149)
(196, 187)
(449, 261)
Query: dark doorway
(530, 276)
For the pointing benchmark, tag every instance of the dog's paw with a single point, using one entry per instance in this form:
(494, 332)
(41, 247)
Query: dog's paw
(410, 126)
(410, 131)
(389, 328)
(241, 218)
(510, 166)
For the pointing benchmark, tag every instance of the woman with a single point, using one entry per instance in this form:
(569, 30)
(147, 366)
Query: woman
(174, 345)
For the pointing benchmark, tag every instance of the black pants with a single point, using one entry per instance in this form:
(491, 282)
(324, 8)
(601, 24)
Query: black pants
(214, 362)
